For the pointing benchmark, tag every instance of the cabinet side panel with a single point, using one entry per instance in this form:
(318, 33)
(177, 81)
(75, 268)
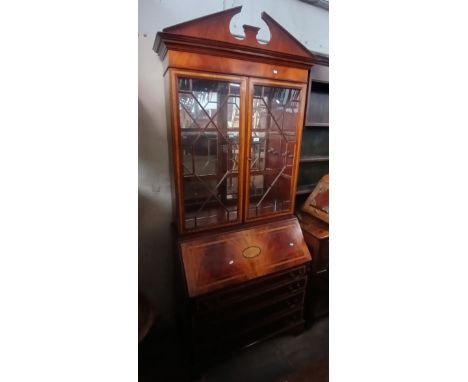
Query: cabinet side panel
(171, 125)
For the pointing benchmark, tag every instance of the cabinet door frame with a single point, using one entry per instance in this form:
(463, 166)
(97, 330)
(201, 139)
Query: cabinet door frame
(175, 74)
(252, 81)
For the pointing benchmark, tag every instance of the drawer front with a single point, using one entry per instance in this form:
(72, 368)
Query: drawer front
(257, 310)
(205, 345)
(292, 280)
(244, 316)
(255, 301)
(225, 331)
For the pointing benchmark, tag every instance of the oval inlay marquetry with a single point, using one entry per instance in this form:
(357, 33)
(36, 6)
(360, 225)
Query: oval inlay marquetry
(252, 251)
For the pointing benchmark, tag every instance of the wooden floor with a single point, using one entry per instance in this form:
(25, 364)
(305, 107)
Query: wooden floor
(317, 371)
(162, 357)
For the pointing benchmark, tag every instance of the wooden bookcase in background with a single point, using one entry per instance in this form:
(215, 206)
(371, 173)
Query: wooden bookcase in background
(313, 165)
(314, 149)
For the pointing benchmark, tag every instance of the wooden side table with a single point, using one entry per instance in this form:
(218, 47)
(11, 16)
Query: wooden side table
(316, 236)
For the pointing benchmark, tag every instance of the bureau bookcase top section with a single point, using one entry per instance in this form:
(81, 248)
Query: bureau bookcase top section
(236, 108)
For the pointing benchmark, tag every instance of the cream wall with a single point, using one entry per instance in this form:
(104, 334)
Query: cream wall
(307, 23)
(156, 262)
(154, 199)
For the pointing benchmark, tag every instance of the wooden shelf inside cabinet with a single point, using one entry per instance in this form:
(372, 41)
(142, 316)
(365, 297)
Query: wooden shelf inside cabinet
(317, 124)
(314, 158)
(305, 189)
(317, 112)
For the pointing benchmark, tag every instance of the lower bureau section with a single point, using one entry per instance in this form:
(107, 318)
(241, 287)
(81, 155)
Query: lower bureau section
(209, 349)
(255, 311)
(244, 285)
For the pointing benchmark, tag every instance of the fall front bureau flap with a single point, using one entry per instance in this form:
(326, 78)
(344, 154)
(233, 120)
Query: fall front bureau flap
(215, 261)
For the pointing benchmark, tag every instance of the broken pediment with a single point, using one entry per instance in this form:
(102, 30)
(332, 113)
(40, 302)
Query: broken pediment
(212, 32)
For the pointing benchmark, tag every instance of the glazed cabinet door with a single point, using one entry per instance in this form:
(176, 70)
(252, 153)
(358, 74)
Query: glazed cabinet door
(209, 145)
(275, 119)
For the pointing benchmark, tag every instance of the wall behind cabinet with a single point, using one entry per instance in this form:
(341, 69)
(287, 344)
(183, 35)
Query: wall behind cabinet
(307, 23)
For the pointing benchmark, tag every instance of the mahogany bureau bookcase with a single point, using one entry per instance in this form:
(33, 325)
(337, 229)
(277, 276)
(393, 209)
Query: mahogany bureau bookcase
(236, 111)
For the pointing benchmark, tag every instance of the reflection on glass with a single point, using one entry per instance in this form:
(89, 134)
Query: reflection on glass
(272, 146)
(209, 124)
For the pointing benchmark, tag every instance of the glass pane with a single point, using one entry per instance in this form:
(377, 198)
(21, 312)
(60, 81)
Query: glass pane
(209, 123)
(273, 143)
